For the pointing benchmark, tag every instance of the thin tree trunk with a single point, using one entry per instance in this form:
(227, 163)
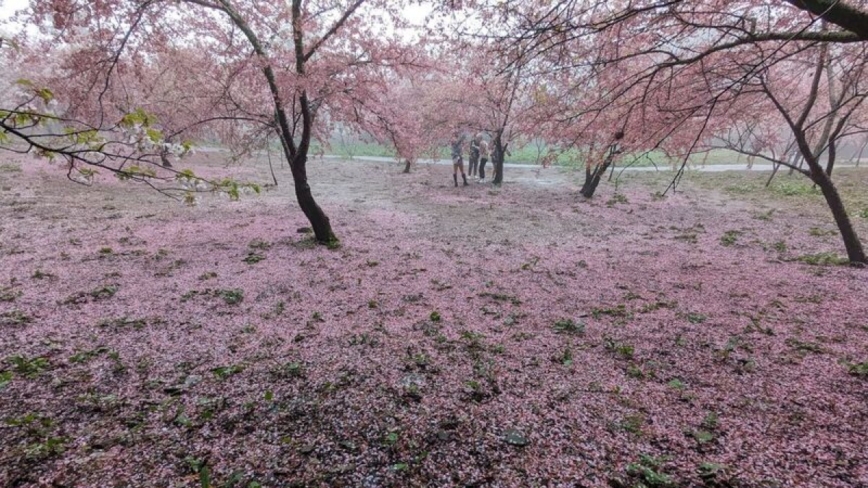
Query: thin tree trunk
(855, 252)
(406, 166)
(164, 157)
(592, 179)
(830, 163)
(322, 228)
(270, 167)
(497, 158)
(295, 155)
(861, 150)
(775, 168)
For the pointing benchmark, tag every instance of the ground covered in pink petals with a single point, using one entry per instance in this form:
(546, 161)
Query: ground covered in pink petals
(459, 336)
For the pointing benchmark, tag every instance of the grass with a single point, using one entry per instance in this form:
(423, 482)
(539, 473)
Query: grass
(729, 237)
(823, 259)
(532, 153)
(9, 168)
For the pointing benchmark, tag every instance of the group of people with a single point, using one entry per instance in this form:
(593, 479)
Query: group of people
(480, 152)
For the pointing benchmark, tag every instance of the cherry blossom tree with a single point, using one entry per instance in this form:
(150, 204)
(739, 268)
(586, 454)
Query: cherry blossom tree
(259, 68)
(406, 116)
(674, 70)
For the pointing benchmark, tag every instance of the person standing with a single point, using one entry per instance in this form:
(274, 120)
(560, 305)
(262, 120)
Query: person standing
(474, 155)
(484, 154)
(457, 161)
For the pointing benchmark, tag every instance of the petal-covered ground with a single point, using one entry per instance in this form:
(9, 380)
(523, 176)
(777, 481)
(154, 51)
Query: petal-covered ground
(459, 336)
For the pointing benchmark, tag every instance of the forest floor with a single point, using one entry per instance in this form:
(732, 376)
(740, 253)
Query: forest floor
(468, 336)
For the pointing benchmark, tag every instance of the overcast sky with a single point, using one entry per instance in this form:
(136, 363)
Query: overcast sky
(8, 7)
(415, 13)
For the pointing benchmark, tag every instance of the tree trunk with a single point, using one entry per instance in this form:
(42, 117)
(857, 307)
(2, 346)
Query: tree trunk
(497, 158)
(855, 252)
(322, 228)
(164, 157)
(406, 166)
(861, 150)
(831, 154)
(592, 179)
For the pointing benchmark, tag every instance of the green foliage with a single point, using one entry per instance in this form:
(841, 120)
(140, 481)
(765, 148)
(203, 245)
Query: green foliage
(565, 357)
(474, 339)
(790, 188)
(154, 135)
(292, 369)
(29, 367)
(864, 213)
(42, 275)
(84, 137)
(51, 446)
(123, 323)
(530, 264)
(223, 372)
(618, 311)
(233, 188)
(621, 349)
(85, 356)
(135, 171)
(391, 438)
(633, 423)
(780, 246)
(696, 318)
(712, 473)
(649, 472)
(765, 215)
(137, 117)
(259, 244)
(729, 237)
(421, 360)
(435, 316)
(103, 292)
(804, 347)
(200, 467)
(501, 297)
(232, 296)
(5, 378)
(617, 198)
(186, 174)
(9, 294)
(823, 259)
(702, 436)
(657, 305)
(818, 232)
(634, 371)
(690, 234)
(39, 428)
(7, 167)
(364, 339)
(859, 370)
(253, 257)
(711, 421)
(677, 384)
(567, 326)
